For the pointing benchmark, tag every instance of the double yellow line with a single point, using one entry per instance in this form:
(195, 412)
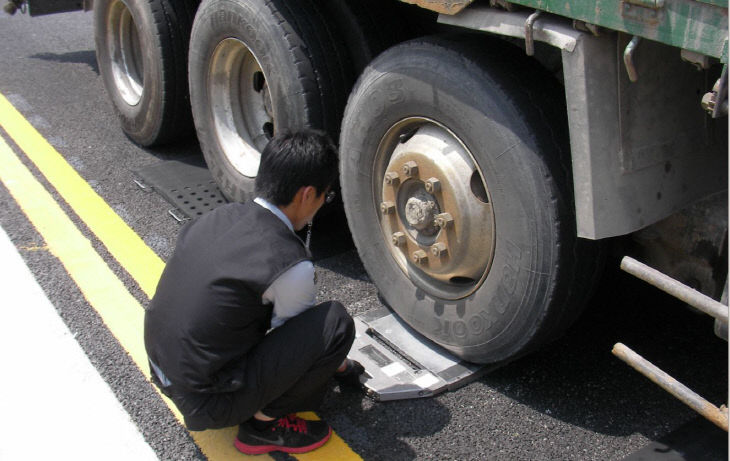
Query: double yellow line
(120, 311)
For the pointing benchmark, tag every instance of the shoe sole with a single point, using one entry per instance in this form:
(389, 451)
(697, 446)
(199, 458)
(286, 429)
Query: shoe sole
(262, 449)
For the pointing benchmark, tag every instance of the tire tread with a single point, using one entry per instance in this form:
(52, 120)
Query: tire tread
(576, 263)
(319, 68)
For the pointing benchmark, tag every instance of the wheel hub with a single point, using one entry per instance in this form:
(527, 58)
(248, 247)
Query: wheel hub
(125, 51)
(420, 212)
(241, 105)
(438, 224)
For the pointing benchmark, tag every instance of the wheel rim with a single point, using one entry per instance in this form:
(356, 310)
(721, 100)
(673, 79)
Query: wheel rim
(240, 104)
(126, 53)
(435, 210)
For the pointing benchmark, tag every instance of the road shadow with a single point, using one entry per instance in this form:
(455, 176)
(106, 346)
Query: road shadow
(331, 237)
(379, 430)
(576, 379)
(184, 149)
(87, 57)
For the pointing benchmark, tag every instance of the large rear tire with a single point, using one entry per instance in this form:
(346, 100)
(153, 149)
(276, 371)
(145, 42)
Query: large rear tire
(257, 68)
(456, 185)
(368, 27)
(141, 48)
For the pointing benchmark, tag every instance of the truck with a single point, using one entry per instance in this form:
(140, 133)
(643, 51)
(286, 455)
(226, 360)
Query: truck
(489, 148)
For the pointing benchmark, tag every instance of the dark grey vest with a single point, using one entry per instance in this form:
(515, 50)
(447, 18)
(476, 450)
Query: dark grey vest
(207, 311)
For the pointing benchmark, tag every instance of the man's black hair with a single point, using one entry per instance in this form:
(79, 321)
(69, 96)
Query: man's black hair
(292, 160)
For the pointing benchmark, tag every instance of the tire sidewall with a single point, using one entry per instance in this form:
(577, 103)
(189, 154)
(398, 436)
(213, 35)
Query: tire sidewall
(250, 22)
(141, 122)
(504, 312)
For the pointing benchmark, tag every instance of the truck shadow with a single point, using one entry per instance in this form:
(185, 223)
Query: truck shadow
(87, 57)
(578, 381)
(573, 382)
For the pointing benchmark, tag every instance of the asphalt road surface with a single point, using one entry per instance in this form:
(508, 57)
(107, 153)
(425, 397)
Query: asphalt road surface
(572, 400)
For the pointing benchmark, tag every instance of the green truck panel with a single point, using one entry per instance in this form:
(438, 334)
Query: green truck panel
(700, 26)
(696, 25)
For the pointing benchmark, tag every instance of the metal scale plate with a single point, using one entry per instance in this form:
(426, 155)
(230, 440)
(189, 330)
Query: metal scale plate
(401, 364)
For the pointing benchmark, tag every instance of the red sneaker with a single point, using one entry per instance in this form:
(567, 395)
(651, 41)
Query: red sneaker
(290, 434)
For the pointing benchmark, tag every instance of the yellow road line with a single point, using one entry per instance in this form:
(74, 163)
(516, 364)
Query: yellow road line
(119, 310)
(100, 286)
(123, 243)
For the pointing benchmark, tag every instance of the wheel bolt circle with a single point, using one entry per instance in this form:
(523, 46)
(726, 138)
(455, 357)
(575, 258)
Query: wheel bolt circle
(420, 257)
(410, 169)
(391, 178)
(398, 239)
(432, 185)
(438, 249)
(443, 220)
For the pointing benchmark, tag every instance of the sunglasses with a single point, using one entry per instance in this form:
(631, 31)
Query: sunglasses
(330, 196)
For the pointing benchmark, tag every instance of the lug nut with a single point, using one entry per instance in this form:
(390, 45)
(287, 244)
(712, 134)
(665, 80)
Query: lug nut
(420, 257)
(432, 185)
(391, 178)
(439, 250)
(709, 101)
(387, 207)
(399, 239)
(443, 220)
(410, 169)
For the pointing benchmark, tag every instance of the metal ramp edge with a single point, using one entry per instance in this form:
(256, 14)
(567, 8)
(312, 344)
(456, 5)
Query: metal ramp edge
(401, 364)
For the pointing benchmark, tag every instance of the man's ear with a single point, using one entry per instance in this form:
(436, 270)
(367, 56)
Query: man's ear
(299, 196)
(309, 193)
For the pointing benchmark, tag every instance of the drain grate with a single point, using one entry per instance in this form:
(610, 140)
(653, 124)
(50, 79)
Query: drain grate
(185, 183)
(194, 200)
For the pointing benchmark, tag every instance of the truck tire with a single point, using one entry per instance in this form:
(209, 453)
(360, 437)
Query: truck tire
(456, 183)
(368, 27)
(141, 48)
(259, 67)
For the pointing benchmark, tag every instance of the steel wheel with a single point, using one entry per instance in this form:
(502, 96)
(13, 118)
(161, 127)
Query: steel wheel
(458, 198)
(142, 49)
(435, 212)
(126, 53)
(256, 68)
(240, 104)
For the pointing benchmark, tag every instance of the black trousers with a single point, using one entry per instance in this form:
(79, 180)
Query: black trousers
(285, 373)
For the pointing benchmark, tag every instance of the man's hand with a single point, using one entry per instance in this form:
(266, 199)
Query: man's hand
(349, 374)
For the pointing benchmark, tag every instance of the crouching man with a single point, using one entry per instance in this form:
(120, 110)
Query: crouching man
(232, 332)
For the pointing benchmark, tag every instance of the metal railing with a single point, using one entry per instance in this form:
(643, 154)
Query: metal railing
(718, 416)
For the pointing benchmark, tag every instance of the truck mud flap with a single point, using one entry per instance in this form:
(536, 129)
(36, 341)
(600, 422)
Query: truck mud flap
(43, 7)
